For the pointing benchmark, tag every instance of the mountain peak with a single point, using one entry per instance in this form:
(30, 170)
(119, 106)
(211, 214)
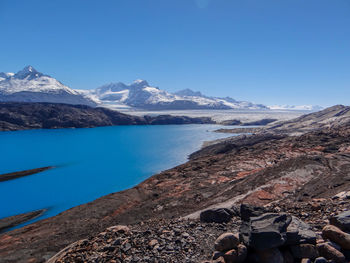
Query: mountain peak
(28, 71)
(140, 82)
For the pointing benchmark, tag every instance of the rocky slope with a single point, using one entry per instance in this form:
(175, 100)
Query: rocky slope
(328, 118)
(294, 171)
(20, 116)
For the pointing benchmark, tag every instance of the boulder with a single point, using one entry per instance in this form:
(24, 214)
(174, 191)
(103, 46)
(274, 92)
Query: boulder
(216, 215)
(272, 255)
(247, 211)
(299, 232)
(304, 251)
(330, 253)
(342, 221)
(265, 231)
(336, 235)
(226, 241)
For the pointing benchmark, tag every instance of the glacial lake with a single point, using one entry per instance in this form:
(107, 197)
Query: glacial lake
(89, 163)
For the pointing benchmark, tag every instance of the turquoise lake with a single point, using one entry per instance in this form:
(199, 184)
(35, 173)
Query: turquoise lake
(89, 163)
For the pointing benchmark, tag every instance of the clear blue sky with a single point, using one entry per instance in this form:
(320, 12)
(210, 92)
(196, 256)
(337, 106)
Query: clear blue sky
(266, 51)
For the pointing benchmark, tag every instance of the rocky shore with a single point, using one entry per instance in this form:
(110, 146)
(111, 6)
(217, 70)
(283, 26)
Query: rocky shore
(304, 175)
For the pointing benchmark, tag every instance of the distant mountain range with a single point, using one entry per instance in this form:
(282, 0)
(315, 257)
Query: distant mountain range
(29, 85)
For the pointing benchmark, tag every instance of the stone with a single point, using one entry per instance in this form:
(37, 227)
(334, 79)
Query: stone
(336, 235)
(287, 256)
(119, 229)
(265, 231)
(342, 195)
(242, 253)
(219, 260)
(226, 241)
(304, 251)
(321, 260)
(299, 232)
(346, 253)
(342, 221)
(217, 254)
(231, 256)
(272, 255)
(153, 242)
(247, 211)
(216, 215)
(330, 253)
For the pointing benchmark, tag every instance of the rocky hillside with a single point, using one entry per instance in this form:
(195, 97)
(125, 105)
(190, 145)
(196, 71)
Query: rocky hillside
(328, 118)
(20, 116)
(303, 175)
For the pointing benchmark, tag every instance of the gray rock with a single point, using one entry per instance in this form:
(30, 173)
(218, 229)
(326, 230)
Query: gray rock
(247, 211)
(342, 221)
(304, 251)
(299, 232)
(272, 255)
(216, 215)
(265, 231)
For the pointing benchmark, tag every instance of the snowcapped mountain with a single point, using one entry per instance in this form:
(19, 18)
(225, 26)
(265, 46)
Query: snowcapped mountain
(29, 85)
(298, 107)
(140, 94)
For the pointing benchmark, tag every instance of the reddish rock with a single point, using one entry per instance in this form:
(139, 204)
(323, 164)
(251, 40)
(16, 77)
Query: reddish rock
(226, 241)
(336, 235)
(231, 256)
(330, 253)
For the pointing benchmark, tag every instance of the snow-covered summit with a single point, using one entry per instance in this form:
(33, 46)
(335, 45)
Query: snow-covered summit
(30, 85)
(140, 94)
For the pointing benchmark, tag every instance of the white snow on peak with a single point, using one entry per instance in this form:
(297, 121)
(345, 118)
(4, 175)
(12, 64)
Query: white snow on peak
(138, 81)
(30, 85)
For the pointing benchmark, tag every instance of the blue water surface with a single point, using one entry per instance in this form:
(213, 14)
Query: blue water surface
(89, 163)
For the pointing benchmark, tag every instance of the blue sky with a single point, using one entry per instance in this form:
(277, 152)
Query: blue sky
(270, 51)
